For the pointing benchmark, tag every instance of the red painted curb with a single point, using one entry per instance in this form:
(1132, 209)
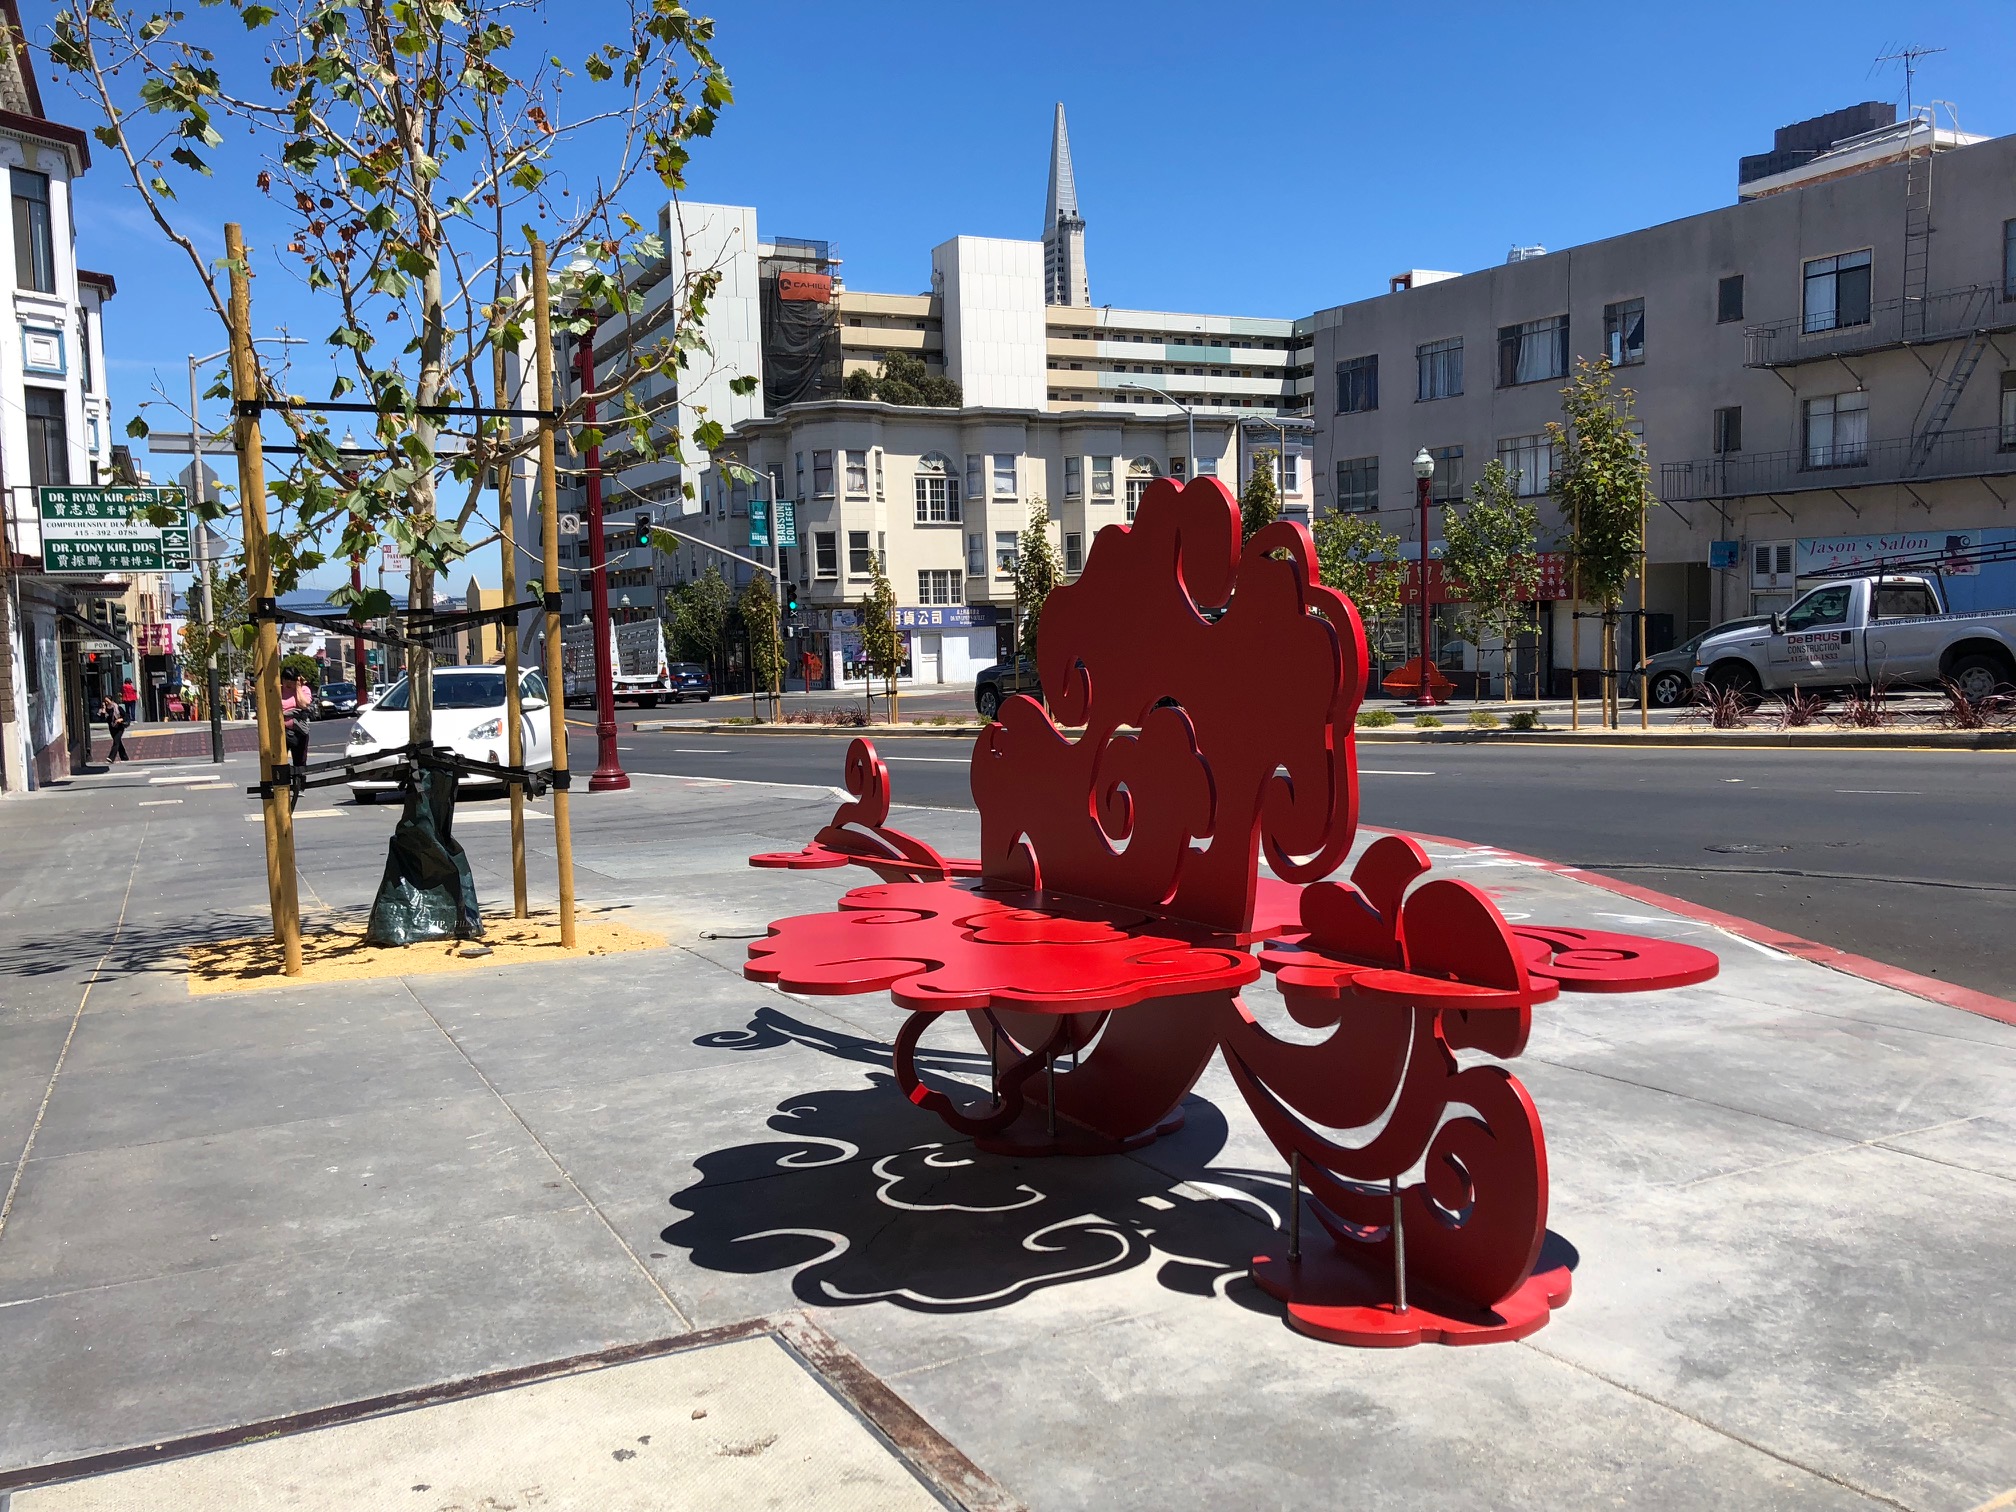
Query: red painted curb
(1947, 994)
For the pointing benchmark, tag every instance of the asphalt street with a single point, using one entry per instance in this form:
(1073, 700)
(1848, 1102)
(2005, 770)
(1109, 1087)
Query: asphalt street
(1902, 856)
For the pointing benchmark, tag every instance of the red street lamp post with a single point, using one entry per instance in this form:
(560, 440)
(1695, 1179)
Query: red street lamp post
(609, 775)
(1424, 473)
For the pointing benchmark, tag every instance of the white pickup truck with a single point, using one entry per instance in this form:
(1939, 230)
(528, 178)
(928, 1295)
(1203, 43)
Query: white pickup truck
(1861, 632)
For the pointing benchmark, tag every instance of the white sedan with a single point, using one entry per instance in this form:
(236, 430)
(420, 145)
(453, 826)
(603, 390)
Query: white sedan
(469, 718)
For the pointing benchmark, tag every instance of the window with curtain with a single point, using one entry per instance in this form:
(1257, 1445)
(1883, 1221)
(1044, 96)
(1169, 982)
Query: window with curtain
(1102, 477)
(1439, 369)
(1837, 430)
(1533, 351)
(34, 237)
(1140, 473)
(1358, 485)
(857, 475)
(1007, 553)
(1624, 332)
(1004, 475)
(48, 438)
(936, 491)
(1531, 460)
(1358, 385)
(1836, 292)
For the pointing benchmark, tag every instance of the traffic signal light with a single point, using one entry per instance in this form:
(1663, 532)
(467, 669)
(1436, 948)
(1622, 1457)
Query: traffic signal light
(790, 598)
(643, 530)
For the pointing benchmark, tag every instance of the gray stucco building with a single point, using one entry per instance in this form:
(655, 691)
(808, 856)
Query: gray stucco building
(1824, 370)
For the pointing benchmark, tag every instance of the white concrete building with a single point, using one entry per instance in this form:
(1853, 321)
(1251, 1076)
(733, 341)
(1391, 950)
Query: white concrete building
(55, 428)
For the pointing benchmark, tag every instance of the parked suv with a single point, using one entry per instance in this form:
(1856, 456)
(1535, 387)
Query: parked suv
(690, 680)
(1002, 679)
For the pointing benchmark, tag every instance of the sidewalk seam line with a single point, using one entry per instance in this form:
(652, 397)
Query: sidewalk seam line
(1716, 1428)
(62, 1055)
(567, 1175)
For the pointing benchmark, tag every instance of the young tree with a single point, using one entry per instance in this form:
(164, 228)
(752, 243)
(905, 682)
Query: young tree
(881, 640)
(759, 618)
(1604, 485)
(1362, 562)
(1490, 548)
(699, 620)
(404, 144)
(1037, 570)
(1260, 504)
(903, 380)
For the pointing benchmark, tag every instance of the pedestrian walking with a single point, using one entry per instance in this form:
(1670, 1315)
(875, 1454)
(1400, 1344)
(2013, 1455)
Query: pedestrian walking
(297, 707)
(130, 696)
(113, 712)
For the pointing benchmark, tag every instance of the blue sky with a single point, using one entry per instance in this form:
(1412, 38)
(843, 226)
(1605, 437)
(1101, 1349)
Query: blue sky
(1268, 160)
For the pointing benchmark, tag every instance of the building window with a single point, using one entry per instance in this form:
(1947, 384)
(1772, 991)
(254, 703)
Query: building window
(976, 555)
(1728, 430)
(34, 246)
(1074, 552)
(798, 460)
(860, 555)
(1140, 473)
(1729, 299)
(937, 492)
(1179, 468)
(1004, 475)
(1438, 369)
(738, 497)
(976, 470)
(48, 438)
(1074, 476)
(1007, 553)
(1102, 477)
(2009, 259)
(879, 495)
(1533, 351)
(1358, 385)
(857, 475)
(1291, 472)
(1531, 460)
(1837, 430)
(1837, 292)
(940, 586)
(822, 474)
(1358, 485)
(2009, 411)
(1446, 487)
(1624, 332)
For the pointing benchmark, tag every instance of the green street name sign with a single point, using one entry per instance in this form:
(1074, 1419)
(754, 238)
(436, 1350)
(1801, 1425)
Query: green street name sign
(99, 530)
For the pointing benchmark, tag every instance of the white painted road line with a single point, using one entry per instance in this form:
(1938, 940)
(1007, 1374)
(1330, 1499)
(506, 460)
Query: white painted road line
(934, 760)
(1389, 772)
(156, 802)
(191, 777)
(1886, 792)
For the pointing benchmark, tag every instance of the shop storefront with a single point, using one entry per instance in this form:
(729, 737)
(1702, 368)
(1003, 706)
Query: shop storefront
(943, 645)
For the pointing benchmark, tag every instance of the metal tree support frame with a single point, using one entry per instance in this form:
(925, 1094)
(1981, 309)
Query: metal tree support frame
(280, 780)
(1118, 906)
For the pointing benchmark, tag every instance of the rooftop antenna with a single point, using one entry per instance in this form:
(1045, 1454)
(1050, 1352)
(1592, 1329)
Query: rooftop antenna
(1909, 57)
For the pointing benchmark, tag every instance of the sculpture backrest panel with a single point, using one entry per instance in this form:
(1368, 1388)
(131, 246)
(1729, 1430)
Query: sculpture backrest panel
(1216, 686)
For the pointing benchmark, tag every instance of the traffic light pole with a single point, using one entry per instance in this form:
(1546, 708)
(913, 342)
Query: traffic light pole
(609, 775)
(777, 576)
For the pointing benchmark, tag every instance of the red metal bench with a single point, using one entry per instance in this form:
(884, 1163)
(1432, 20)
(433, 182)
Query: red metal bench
(1119, 904)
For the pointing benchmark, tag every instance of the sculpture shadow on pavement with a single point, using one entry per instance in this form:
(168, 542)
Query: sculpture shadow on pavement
(855, 1198)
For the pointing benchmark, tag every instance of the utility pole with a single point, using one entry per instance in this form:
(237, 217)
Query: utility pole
(609, 775)
(549, 540)
(212, 702)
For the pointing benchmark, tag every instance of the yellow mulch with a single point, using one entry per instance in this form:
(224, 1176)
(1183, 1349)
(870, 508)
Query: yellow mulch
(337, 952)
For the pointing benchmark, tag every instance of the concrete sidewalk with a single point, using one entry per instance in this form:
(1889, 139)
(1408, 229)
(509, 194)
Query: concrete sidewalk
(1790, 1190)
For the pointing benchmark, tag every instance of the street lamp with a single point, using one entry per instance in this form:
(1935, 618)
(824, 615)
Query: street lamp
(1424, 472)
(1189, 419)
(202, 532)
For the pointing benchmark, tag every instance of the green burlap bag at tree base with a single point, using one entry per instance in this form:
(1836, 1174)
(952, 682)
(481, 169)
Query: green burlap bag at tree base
(427, 892)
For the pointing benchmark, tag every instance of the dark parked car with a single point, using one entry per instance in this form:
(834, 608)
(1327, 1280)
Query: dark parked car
(1672, 672)
(690, 680)
(1002, 679)
(335, 700)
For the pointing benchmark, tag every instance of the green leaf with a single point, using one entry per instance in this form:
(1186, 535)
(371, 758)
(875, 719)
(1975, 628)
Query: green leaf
(743, 385)
(136, 428)
(256, 16)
